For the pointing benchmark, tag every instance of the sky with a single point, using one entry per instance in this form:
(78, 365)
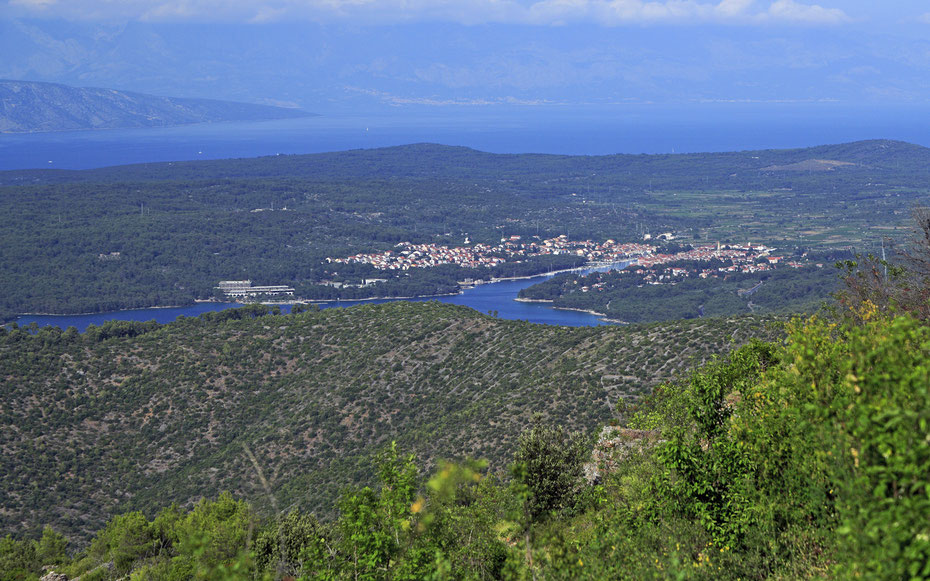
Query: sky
(472, 12)
(327, 55)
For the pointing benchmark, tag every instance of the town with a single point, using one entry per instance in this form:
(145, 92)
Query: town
(743, 259)
(512, 249)
(642, 259)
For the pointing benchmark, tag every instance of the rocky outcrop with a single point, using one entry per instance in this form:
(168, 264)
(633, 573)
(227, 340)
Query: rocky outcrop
(614, 445)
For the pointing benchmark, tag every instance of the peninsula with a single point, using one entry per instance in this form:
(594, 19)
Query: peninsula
(30, 107)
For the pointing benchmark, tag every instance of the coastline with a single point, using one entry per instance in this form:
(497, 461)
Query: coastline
(602, 316)
(320, 301)
(464, 286)
(595, 313)
(588, 311)
(238, 304)
(587, 266)
(103, 312)
(303, 114)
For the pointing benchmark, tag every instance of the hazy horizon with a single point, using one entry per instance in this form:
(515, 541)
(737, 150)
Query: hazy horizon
(388, 55)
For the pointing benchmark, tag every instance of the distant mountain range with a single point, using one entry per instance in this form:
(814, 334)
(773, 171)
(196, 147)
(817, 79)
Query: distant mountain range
(329, 67)
(28, 107)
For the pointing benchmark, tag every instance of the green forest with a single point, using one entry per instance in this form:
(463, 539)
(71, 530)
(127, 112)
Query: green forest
(802, 456)
(181, 227)
(626, 296)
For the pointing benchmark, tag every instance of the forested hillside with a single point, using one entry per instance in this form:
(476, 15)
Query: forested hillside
(136, 415)
(180, 228)
(803, 458)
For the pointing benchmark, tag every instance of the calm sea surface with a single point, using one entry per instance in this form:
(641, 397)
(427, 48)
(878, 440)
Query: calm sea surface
(578, 131)
(498, 296)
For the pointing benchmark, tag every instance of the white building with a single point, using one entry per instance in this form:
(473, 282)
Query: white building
(236, 289)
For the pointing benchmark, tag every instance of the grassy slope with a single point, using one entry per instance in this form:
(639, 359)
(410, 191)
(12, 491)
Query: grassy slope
(91, 428)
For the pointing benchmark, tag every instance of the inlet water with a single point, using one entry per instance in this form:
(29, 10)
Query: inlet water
(497, 297)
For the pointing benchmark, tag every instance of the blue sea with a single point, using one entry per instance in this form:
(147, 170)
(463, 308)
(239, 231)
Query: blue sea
(560, 130)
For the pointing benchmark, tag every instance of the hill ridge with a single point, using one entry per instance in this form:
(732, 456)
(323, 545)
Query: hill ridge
(429, 159)
(136, 415)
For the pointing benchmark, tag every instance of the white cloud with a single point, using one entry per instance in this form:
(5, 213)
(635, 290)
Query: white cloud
(33, 4)
(170, 11)
(791, 11)
(733, 8)
(619, 12)
(535, 12)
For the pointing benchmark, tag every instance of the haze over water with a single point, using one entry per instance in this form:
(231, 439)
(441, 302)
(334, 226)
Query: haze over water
(591, 130)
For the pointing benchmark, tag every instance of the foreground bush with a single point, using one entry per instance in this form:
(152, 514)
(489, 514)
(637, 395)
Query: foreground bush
(804, 459)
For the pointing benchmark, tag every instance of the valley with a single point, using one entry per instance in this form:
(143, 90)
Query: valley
(179, 228)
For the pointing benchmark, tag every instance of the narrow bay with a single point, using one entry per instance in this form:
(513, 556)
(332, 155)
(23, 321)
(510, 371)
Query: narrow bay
(497, 297)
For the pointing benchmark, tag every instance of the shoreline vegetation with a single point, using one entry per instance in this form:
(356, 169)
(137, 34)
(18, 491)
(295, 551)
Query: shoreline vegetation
(603, 316)
(16, 316)
(299, 301)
